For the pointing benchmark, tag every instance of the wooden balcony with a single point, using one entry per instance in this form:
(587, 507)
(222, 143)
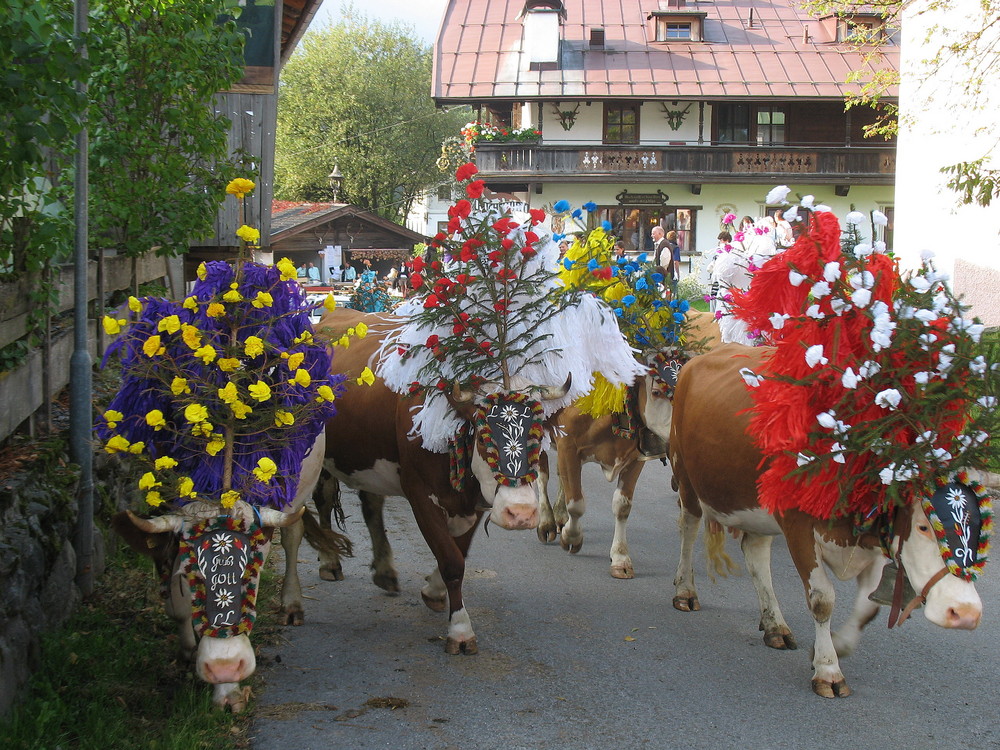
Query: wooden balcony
(860, 165)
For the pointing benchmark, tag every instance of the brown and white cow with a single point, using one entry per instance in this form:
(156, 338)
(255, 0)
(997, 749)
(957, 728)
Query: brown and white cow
(218, 643)
(716, 465)
(579, 438)
(369, 448)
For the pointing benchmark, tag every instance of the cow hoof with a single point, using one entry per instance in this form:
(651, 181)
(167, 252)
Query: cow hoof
(622, 571)
(455, 647)
(687, 603)
(826, 689)
(438, 605)
(232, 697)
(388, 582)
(331, 572)
(780, 641)
(571, 547)
(294, 617)
(546, 533)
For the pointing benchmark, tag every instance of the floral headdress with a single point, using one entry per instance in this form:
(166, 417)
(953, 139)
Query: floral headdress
(877, 386)
(222, 393)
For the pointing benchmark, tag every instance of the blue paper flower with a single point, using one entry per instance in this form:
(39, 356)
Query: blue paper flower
(557, 237)
(619, 312)
(590, 206)
(684, 306)
(641, 284)
(679, 318)
(606, 225)
(592, 264)
(577, 214)
(658, 278)
(628, 300)
(641, 258)
(567, 264)
(561, 206)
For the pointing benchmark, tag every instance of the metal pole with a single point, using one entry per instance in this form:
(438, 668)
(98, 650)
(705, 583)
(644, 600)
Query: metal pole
(81, 384)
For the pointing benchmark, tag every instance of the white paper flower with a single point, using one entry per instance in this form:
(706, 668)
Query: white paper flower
(862, 250)
(807, 201)
(869, 369)
(839, 305)
(879, 246)
(978, 365)
(849, 379)
(925, 316)
(879, 219)
(888, 399)
(920, 283)
(750, 378)
(838, 453)
(792, 214)
(802, 459)
(814, 355)
(854, 217)
(861, 297)
(831, 271)
(827, 419)
(820, 289)
(940, 454)
(887, 474)
(822, 207)
(778, 195)
(863, 280)
(987, 402)
(815, 312)
(926, 254)
(795, 278)
(922, 378)
(778, 320)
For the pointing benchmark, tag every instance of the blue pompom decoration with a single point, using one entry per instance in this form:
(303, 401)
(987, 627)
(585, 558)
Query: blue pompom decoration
(577, 214)
(561, 206)
(590, 206)
(606, 225)
(642, 258)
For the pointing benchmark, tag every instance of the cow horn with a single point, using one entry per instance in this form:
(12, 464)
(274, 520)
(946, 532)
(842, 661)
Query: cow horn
(157, 524)
(279, 519)
(459, 396)
(552, 393)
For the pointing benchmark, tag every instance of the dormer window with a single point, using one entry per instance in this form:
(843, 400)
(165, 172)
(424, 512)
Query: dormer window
(677, 25)
(860, 29)
(542, 19)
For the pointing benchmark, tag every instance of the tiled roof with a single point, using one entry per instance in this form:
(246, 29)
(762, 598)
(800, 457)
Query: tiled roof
(784, 53)
(288, 218)
(288, 214)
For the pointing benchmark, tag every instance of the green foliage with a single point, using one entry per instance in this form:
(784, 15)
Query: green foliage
(973, 181)
(40, 111)
(357, 95)
(156, 141)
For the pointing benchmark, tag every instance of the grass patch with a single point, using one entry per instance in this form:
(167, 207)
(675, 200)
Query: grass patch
(112, 677)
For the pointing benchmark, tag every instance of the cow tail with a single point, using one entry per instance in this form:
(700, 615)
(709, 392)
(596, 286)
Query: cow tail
(719, 560)
(327, 542)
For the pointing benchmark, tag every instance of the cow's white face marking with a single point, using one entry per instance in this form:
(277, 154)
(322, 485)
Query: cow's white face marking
(513, 507)
(952, 602)
(381, 479)
(756, 520)
(658, 412)
(223, 660)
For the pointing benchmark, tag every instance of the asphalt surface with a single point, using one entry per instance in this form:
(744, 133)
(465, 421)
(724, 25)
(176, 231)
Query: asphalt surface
(572, 658)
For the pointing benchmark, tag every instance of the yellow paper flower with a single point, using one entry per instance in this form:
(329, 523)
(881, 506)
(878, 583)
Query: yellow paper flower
(305, 337)
(191, 336)
(215, 310)
(295, 360)
(360, 330)
(285, 418)
(263, 299)
(164, 462)
(232, 296)
(190, 303)
(202, 271)
(112, 418)
(239, 187)
(154, 498)
(148, 481)
(302, 377)
(116, 444)
(287, 269)
(195, 413)
(206, 353)
(325, 393)
(249, 235)
(152, 347)
(260, 391)
(240, 410)
(367, 377)
(228, 364)
(179, 386)
(185, 487)
(344, 341)
(170, 324)
(330, 303)
(134, 305)
(254, 346)
(113, 327)
(137, 448)
(155, 419)
(229, 498)
(265, 469)
(216, 444)
(203, 429)
(229, 394)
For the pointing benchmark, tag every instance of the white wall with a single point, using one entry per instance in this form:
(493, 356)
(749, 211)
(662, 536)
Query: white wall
(940, 127)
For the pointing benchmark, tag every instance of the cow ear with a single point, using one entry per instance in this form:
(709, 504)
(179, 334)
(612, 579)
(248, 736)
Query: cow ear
(153, 544)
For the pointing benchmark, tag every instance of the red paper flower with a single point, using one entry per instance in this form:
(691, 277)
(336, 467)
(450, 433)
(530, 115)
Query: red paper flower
(527, 251)
(431, 301)
(475, 189)
(465, 172)
(462, 208)
(416, 281)
(537, 216)
(506, 274)
(506, 244)
(530, 237)
(467, 254)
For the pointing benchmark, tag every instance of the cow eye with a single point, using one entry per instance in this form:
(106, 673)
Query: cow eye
(923, 528)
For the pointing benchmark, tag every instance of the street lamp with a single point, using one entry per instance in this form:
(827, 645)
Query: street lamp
(336, 179)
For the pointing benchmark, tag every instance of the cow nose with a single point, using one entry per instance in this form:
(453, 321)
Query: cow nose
(964, 616)
(519, 516)
(225, 670)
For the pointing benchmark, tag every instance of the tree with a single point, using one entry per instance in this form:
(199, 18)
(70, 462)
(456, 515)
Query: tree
(357, 95)
(968, 58)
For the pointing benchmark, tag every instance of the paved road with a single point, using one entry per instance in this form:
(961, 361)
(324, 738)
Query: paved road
(571, 658)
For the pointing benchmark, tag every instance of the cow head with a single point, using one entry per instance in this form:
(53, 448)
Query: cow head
(504, 444)
(209, 562)
(656, 391)
(941, 545)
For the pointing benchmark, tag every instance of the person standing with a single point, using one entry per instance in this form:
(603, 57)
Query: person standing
(667, 254)
(336, 274)
(783, 230)
(620, 255)
(313, 273)
(349, 273)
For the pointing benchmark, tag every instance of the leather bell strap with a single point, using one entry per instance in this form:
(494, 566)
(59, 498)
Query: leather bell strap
(921, 598)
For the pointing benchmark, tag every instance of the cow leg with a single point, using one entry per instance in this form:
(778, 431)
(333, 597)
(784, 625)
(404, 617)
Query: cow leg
(384, 575)
(571, 492)
(621, 506)
(230, 695)
(326, 497)
(291, 587)
(685, 594)
(757, 553)
(546, 529)
(846, 639)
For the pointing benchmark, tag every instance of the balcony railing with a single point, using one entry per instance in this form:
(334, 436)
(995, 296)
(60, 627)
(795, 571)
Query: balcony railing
(687, 163)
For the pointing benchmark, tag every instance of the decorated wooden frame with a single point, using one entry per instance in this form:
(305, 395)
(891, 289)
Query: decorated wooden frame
(961, 514)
